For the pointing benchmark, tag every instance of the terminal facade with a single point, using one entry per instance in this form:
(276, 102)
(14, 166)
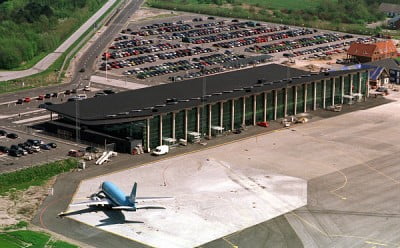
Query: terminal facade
(211, 112)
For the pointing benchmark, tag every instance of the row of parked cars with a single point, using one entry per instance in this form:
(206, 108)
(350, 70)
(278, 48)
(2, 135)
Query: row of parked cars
(233, 35)
(4, 133)
(153, 57)
(184, 65)
(264, 38)
(324, 50)
(28, 147)
(297, 43)
(197, 74)
(139, 50)
(131, 43)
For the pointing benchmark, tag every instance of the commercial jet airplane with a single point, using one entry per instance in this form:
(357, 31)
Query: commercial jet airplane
(111, 196)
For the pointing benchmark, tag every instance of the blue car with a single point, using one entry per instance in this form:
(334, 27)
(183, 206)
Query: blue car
(45, 147)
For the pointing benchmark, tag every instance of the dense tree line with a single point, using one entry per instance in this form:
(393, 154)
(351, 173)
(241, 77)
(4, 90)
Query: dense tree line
(31, 28)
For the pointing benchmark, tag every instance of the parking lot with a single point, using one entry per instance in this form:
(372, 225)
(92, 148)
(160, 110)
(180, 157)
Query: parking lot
(188, 46)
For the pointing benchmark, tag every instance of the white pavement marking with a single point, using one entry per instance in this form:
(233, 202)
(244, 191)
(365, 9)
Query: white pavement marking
(117, 83)
(50, 58)
(41, 117)
(22, 114)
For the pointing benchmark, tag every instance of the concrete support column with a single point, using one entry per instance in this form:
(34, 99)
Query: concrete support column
(315, 96)
(324, 95)
(305, 98)
(161, 127)
(233, 115)
(275, 104)
(173, 125)
(198, 120)
(244, 111)
(295, 100)
(209, 121)
(147, 135)
(265, 106)
(254, 109)
(186, 125)
(221, 114)
(359, 83)
(285, 106)
(367, 85)
(351, 85)
(51, 116)
(342, 83)
(333, 80)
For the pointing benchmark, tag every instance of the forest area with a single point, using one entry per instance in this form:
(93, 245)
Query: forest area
(31, 29)
(340, 15)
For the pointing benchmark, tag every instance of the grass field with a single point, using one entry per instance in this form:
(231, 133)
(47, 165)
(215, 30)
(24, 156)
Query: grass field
(27, 238)
(33, 176)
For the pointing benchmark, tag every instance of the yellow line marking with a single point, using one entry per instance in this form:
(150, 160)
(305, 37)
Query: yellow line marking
(375, 241)
(383, 174)
(229, 242)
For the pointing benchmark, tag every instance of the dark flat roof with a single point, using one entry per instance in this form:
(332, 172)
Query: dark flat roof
(141, 103)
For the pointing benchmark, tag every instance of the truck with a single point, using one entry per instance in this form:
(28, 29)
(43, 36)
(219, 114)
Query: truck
(161, 150)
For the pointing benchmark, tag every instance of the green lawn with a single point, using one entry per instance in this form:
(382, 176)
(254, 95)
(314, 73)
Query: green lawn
(33, 176)
(31, 239)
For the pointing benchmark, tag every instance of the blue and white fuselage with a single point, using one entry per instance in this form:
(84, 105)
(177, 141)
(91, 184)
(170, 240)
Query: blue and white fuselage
(110, 195)
(117, 197)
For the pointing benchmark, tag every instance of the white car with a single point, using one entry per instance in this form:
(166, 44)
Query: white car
(161, 150)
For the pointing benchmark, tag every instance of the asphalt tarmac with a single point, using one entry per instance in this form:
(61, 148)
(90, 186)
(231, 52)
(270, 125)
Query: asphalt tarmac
(279, 233)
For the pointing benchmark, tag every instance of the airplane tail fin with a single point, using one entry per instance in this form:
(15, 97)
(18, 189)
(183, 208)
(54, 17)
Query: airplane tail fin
(132, 197)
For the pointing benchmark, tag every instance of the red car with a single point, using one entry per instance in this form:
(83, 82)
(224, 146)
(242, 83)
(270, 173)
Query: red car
(263, 124)
(75, 153)
(40, 97)
(27, 99)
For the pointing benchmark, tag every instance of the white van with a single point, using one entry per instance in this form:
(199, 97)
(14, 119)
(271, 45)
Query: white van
(161, 150)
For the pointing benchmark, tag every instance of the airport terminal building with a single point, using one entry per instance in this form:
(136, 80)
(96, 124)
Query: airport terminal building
(204, 107)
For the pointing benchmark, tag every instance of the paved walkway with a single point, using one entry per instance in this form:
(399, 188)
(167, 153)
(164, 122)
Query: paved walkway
(50, 58)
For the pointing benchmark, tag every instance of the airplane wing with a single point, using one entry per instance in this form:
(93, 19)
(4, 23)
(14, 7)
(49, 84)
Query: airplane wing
(91, 203)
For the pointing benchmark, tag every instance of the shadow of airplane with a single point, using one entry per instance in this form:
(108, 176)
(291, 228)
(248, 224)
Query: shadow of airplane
(114, 216)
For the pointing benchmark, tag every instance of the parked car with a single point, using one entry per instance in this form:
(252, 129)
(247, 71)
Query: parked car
(73, 91)
(263, 124)
(14, 153)
(27, 99)
(40, 97)
(76, 153)
(48, 95)
(100, 94)
(4, 149)
(55, 94)
(52, 145)
(82, 70)
(161, 150)
(92, 149)
(35, 148)
(20, 101)
(45, 147)
(109, 91)
(3, 133)
(12, 135)
(86, 88)
(67, 92)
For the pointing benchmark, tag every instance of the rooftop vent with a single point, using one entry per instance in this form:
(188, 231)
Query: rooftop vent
(183, 100)
(171, 100)
(228, 91)
(239, 89)
(136, 110)
(148, 108)
(217, 93)
(195, 98)
(110, 116)
(160, 105)
(123, 113)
